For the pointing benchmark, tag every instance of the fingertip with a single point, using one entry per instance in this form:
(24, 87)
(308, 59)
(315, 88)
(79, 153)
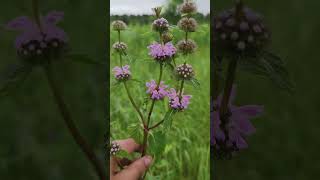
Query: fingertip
(147, 161)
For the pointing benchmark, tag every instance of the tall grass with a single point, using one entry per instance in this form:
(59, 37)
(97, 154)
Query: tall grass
(187, 153)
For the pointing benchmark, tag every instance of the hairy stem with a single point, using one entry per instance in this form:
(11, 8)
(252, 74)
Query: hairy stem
(84, 146)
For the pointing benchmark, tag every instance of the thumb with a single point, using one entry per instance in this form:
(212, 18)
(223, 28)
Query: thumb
(136, 169)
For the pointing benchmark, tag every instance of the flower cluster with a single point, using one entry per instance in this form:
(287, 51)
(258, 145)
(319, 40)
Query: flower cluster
(186, 46)
(39, 40)
(185, 71)
(177, 101)
(187, 8)
(239, 30)
(122, 73)
(162, 52)
(230, 137)
(118, 25)
(115, 147)
(120, 47)
(160, 25)
(188, 24)
(157, 92)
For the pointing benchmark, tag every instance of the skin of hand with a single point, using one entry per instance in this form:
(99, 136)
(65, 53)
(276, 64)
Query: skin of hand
(136, 169)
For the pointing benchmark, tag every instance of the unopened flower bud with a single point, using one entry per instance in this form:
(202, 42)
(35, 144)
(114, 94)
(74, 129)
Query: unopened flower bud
(120, 47)
(185, 71)
(115, 147)
(234, 36)
(186, 47)
(188, 24)
(160, 25)
(167, 37)
(188, 8)
(118, 25)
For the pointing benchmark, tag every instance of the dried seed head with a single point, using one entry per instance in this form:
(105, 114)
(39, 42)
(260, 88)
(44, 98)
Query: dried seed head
(186, 47)
(185, 71)
(188, 24)
(120, 47)
(188, 7)
(118, 25)
(160, 25)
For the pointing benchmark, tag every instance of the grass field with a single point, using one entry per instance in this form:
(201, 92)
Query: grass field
(286, 143)
(186, 154)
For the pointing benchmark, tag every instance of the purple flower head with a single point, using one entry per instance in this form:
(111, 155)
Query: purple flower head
(160, 25)
(122, 73)
(162, 52)
(176, 102)
(156, 92)
(238, 126)
(36, 40)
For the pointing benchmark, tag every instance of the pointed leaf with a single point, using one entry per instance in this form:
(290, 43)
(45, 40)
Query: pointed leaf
(167, 120)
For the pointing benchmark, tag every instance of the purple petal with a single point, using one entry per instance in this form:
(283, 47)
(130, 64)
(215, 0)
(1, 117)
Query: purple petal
(53, 17)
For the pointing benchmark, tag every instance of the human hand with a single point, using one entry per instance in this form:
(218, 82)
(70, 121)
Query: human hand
(136, 169)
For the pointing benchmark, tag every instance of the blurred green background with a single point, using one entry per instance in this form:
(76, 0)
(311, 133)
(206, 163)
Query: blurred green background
(186, 151)
(286, 143)
(34, 142)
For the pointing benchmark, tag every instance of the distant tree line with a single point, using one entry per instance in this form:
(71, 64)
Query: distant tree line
(170, 13)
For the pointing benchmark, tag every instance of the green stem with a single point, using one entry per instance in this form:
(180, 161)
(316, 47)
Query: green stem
(217, 70)
(36, 12)
(181, 89)
(134, 104)
(84, 146)
(224, 108)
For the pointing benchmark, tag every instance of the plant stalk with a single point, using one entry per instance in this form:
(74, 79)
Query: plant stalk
(84, 146)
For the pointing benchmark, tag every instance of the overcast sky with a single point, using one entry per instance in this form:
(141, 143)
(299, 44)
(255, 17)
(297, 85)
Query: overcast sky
(120, 7)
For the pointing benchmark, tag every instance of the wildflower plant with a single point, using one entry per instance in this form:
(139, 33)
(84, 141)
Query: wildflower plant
(240, 39)
(40, 44)
(163, 54)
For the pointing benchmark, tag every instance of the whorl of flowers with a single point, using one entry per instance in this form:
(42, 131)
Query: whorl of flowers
(188, 24)
(186, 46)
(184, 71)
(36, 42)
(230, 137)
(120, 47)
(156, 92)
(177, 102)
(239, 30)
(187, 7)
(122, 73)
(160, 25)
(118, 25)
(162, 52)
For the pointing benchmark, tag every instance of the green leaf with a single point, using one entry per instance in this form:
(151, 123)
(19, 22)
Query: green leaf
(12, 77)
(195, 83)
(167, 120)
(135, 132)
(83, 58)
(157, 142)
(270, 66)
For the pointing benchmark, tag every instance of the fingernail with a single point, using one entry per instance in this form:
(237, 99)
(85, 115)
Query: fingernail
(147, 160)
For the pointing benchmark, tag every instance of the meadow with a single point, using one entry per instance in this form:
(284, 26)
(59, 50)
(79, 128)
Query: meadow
(186, 154)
